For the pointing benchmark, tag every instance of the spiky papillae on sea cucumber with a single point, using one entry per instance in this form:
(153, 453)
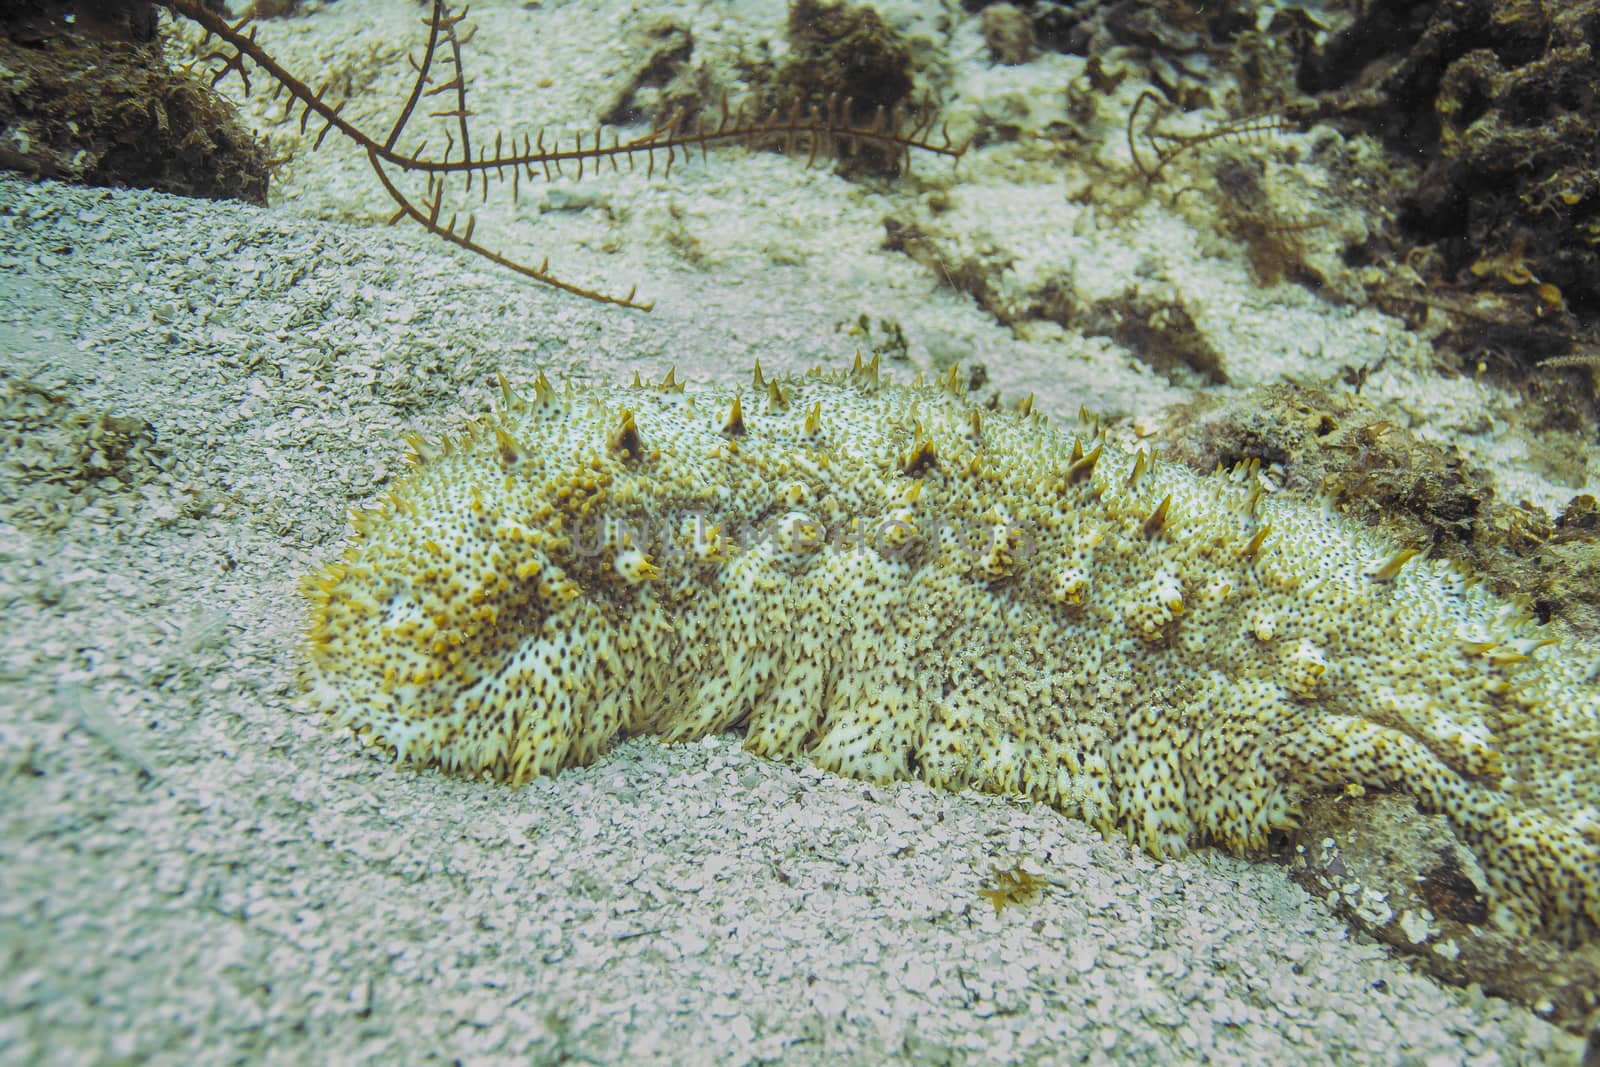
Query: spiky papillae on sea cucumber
(891, 583)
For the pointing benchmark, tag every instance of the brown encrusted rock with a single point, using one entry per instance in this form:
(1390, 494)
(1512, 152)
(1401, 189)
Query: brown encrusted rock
(93, 104)
(1500, 99)
(1406, 879)
(845, 52)
(1008, 32)
(1334, 442)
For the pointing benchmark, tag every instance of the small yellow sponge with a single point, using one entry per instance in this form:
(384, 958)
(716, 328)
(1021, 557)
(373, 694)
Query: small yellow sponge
(893, 584)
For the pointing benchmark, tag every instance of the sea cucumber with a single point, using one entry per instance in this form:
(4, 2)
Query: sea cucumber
(892, 583)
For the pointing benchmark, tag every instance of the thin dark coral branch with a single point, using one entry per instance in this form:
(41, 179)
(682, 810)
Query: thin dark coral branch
(1153, 149)
(429, 221)
(821, 131)
(440, 24)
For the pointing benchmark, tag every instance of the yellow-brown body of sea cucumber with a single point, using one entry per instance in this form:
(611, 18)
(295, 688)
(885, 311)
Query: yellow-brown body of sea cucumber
(892, 584)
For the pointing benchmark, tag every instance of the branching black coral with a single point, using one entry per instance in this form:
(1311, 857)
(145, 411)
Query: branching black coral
(818, 130)
(1152, 148)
